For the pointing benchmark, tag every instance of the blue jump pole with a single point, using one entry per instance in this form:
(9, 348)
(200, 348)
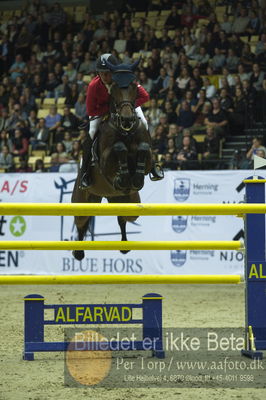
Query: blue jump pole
(153, 322)
(255, 272)
(33, 323)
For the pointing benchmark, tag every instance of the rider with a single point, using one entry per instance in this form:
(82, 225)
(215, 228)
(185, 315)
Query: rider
(97, 104)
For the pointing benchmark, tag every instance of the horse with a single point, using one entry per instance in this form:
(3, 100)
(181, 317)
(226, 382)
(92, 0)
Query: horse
(122, 154)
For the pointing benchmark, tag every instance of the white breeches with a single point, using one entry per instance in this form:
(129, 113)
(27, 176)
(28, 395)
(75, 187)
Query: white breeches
(140, 115)
(94, 123)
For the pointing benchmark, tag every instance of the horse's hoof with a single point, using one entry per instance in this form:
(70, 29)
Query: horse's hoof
(78, 254)
(137, 181)
(124, 251)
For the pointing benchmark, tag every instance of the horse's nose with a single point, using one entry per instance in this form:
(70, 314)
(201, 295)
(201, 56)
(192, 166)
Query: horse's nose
(127, 121)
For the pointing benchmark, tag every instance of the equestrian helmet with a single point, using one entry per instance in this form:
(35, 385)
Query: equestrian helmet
(101, 62)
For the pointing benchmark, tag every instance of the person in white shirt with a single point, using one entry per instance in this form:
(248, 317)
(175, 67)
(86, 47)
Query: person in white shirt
(230, 79)
(209, 89)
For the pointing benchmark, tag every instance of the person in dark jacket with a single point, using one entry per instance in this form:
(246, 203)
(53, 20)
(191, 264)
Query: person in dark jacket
(210, 147)
(41, 136)
(186, 117)
(217, 119)
(69, 121)
(173, 19)
(238, 114)
(188, 155)
(20, 144)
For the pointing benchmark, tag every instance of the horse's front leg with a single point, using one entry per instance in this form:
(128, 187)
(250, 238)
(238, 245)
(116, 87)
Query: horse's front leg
(122, 179)
(122, 224)
(82, 226)
(143, 156)
(83, 222)
(131, 198)
(80, 196)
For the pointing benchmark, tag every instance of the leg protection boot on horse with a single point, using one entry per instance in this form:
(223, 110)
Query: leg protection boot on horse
(86, 180)
(156, 173)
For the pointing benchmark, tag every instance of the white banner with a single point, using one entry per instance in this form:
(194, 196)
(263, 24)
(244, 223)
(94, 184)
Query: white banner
(178, 186)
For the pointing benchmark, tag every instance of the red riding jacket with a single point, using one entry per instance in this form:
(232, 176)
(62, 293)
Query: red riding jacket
(97, 100)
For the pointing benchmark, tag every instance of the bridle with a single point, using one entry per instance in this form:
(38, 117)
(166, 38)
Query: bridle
(118, 121)
(123, 76)
(124, 125)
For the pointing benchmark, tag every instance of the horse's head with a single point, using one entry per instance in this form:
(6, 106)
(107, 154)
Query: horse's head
(123, 94)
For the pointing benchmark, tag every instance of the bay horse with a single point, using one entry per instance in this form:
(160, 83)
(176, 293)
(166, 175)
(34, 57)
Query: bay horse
(122, 154)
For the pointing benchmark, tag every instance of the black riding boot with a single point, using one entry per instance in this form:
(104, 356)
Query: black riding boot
(156, 173)
(86, 180)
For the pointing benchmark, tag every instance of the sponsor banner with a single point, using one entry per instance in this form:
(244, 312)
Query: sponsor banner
(178, 187)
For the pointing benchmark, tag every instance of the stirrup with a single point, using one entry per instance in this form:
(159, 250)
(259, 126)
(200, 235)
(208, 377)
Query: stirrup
(156, 173)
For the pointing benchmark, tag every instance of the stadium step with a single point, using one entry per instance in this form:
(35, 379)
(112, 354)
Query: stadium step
(237, 139)
(233, 145)
(229, 153)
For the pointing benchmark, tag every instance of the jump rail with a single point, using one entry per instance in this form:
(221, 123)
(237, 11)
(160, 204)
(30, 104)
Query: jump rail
(116, 245)
(129, 209)
(255, 238)
(117, 279)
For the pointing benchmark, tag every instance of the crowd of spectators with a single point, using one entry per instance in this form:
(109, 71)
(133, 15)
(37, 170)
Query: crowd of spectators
(204, 72)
